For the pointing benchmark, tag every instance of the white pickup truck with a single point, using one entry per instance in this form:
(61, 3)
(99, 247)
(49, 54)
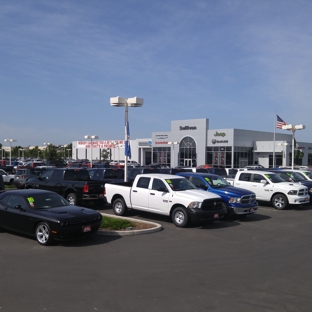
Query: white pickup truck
(269, 187)
(7, 178)
(165, 194)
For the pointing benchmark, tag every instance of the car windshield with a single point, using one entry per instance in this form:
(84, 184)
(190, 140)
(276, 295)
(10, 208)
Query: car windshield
(308, 174)
(46, 201)
(217, 182)
(274, 178)
(180, 184)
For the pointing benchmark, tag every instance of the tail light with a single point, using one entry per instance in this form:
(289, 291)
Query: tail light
(85, 188)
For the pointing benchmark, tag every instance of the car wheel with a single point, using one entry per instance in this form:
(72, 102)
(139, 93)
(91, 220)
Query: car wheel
(226, 210)
(72, 198)
(43, 234)
(180, 217)
(119, 207)
(279, 201)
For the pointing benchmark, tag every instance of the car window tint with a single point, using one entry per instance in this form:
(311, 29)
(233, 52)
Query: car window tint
(143, 182)
(244, 177)
(57, 175)
(158, 184)
(15, 200)
(257, 178)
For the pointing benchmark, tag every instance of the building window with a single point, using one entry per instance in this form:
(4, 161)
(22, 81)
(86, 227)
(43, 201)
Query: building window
(161, 155)
(187, 152)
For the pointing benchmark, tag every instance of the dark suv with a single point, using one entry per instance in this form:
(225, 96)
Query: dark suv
(22, 175)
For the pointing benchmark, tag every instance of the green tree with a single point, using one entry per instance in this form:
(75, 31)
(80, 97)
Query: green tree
(105, 154)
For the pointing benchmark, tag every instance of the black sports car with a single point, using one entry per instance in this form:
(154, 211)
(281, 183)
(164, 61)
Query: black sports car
(45, 215)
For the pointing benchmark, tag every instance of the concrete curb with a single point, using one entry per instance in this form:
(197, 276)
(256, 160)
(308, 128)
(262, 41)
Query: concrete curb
(157, 228)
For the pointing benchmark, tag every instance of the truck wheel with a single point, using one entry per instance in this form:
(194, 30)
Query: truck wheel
(180, 217)
(119, 207)
(279, 201)
(43, 234)
(226, 210)
(72, 198)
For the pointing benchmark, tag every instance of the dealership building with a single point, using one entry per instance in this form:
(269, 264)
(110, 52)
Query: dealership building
(191, 143)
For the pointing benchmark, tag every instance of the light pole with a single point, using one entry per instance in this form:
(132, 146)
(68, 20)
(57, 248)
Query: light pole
(91, 137)
(68, 149)
(132, 102)
(10, 140)
(293, 129)
(22, 154)
(46, 149)
(173, 144)
(284, 152)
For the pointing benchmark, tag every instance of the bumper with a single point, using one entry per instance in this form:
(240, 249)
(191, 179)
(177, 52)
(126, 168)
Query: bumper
(296, 200)
(198, 215)
(72, 232)
(244, 210)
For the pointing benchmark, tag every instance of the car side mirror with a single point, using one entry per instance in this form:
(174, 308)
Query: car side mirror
(19, 207)
(264, 181)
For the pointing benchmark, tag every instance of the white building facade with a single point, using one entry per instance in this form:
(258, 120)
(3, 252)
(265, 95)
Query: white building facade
(191, 143)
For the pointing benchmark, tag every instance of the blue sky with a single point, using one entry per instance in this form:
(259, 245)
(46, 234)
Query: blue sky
(233, 62)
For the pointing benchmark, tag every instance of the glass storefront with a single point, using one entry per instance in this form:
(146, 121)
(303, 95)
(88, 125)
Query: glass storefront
(187, 153)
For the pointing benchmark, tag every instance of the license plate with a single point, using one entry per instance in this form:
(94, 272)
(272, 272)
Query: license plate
(216, 215)
(86, 228)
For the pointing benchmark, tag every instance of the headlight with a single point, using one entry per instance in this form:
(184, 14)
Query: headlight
(292, 193)
(195, 204)
(234, 200)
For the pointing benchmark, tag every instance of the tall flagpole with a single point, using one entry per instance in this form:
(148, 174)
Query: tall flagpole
(274, 140)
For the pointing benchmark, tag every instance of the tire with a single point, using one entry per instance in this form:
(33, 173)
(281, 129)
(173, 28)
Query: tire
(119, 207)
(226, 208)
(180, 217)
(72, 198)
(279, 201)
(11, 182)
(43, 234)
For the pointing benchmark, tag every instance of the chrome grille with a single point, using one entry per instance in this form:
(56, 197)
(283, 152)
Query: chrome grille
(303, 192)
(248, 199)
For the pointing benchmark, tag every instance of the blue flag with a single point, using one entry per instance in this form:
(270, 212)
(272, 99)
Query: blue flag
(127, 142)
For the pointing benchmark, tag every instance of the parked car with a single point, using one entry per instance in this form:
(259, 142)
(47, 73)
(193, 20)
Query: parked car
(106, 174)
(165, 194)
(293, 176)
(133, 172)
(7, 178)
(45, 215)
(73, 184)
(22, 176)
(235, 200)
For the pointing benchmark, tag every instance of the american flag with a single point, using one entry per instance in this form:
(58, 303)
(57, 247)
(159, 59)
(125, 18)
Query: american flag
(279, 122)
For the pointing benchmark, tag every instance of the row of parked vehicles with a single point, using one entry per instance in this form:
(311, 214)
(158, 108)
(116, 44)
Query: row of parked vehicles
(239, 193)
(47, 208)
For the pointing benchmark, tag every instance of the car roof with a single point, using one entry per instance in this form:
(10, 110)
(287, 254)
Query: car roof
(160, 175)
(28, 192)
(197, 174)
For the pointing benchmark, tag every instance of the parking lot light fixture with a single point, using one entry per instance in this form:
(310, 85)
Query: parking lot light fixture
(132, 102)
(10, 140)
(91, 137)
(293, 128)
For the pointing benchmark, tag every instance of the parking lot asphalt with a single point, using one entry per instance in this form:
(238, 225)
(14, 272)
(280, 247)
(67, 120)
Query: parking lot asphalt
(260, 263)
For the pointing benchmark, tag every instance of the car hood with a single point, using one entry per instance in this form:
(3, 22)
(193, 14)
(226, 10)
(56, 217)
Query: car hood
(195, 195)
(69, 212)
(289, 185)
(232, 190)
